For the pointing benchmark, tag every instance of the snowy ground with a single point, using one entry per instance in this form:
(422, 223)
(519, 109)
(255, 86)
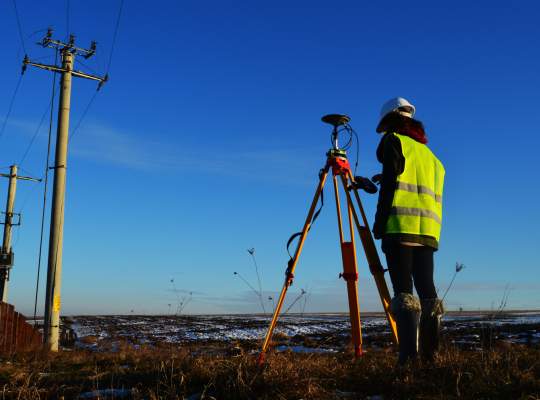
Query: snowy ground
(321, 330)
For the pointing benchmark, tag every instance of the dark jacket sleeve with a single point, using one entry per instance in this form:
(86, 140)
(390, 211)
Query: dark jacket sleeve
(390, 154)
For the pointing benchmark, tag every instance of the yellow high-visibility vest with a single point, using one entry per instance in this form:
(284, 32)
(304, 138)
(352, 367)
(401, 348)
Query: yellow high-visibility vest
(417, 205)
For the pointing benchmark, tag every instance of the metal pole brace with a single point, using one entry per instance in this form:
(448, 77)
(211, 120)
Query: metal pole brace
(11, 216)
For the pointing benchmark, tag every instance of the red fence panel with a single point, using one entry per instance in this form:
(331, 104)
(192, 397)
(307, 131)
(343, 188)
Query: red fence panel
(15, 333)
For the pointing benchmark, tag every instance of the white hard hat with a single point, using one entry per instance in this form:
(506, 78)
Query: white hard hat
(399, 105)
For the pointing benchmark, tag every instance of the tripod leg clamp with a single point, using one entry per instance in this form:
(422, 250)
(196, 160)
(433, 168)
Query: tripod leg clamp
(289, 276)
(349, 276)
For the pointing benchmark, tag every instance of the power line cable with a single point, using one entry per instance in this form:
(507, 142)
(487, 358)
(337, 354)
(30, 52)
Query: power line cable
(19, 25)
(83, 115)
(67, 18)
(6, 118)
(28, 38)
(27, 198)
(26, 171)
(49, 106)
(87, 66)
(115, 35)
(25, 154)
(45, 187)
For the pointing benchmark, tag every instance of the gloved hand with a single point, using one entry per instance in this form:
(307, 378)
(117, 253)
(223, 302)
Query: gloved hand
(361, 182)
(377, 179)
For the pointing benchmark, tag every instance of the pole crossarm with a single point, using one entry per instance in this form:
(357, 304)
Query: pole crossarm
(69, 47)
(22, 178)
(54, 68)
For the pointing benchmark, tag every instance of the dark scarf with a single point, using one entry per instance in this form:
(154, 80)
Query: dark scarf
(394, 122)
(416, 134)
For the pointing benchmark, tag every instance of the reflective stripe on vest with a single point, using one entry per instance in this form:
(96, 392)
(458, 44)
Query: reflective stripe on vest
(417, 204)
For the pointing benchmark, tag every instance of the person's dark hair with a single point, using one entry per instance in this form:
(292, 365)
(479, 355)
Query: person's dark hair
(394, 122)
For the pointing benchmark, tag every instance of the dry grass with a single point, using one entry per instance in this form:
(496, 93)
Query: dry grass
(172, 373)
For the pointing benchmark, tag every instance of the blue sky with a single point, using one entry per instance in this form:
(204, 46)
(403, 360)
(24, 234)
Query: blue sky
(207, 141)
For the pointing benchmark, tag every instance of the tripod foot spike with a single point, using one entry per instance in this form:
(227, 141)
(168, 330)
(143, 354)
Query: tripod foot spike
(261, 360)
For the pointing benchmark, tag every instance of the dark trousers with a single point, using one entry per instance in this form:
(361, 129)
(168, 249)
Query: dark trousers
(407, 264)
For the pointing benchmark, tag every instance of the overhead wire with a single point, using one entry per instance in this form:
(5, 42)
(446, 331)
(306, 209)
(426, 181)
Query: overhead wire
(10, 107)
(45, 187)
(78, 125)
(26, 171)
(36, 132)
(67, 18)
(23, 45)
(86, 66)
(113, 45)
(19, 25)
(117, 26)
(28, 38)
(28, 196)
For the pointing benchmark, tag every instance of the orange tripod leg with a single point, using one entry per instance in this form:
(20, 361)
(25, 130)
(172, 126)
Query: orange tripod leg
(350, 273)
(292, 266)
(372, 256)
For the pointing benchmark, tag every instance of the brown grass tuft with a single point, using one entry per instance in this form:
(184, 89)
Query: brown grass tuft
(178, 373)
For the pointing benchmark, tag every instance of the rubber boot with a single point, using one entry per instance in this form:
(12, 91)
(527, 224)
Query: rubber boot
(406, 310)
(430, 327)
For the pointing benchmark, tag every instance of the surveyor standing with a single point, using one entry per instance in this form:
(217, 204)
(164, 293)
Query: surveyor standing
(408, 220)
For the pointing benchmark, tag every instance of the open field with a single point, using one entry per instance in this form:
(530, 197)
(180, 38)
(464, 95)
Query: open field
(214, 357)
(308, 333)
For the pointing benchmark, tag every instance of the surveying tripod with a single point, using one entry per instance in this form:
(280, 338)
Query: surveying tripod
(341, 171)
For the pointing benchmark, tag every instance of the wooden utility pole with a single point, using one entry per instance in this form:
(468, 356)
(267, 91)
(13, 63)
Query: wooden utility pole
(68, 51)
(7, 257)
